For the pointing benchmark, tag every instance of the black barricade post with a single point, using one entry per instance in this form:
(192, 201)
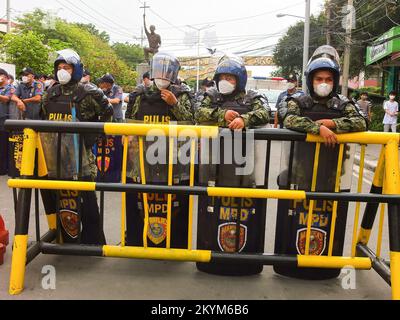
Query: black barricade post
(228, 224)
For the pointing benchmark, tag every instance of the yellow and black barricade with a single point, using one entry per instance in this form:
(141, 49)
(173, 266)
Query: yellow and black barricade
(385, 191)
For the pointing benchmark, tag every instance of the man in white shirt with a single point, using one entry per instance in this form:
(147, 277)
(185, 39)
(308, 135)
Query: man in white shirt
(391, 111)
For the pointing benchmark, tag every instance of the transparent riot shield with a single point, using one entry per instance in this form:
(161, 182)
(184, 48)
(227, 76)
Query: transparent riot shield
(228, 224)
(296, 174)
(69, 156)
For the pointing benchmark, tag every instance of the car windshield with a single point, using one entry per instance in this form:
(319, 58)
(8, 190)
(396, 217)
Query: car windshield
(272, 96)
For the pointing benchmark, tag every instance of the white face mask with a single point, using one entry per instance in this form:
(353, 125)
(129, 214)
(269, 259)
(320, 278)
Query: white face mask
(25, 79)
(323, 90)
(47, 83)
(291, 86)
(225, 87)
(392, 97)
(162, 84)
(63, 76)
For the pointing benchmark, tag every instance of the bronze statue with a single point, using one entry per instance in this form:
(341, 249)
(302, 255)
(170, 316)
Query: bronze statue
(154, 40)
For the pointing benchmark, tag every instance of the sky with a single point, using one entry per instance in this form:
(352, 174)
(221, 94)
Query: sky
(249, 27)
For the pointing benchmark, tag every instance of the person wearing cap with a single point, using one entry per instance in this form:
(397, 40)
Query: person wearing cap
(146, 83)
(205, 85)
(29, 94)
(292, 91)
(87, 76)
(114, 94)
(6, 92)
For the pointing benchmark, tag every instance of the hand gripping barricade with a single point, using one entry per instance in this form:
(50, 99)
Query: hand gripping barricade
(385, 191)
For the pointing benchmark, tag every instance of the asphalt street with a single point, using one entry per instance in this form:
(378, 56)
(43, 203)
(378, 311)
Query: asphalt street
(99, 278)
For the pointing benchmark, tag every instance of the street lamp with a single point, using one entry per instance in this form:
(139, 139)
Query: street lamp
(306, 39)
(198, 50)
(280, 15)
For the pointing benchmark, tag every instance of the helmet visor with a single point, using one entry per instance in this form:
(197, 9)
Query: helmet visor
(69, 55)
(163, 67)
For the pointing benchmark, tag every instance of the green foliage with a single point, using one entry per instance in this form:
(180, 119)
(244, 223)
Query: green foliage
(288, 54)
(377, 118)
(104, 36)
(373, 18)
(41, 34)
(97, 55)
(26, 50)
(132, 54)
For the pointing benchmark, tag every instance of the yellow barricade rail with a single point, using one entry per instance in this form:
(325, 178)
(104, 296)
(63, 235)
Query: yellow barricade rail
(385, 191)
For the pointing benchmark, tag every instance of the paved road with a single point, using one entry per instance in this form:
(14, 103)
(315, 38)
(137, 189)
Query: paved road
(97, 278)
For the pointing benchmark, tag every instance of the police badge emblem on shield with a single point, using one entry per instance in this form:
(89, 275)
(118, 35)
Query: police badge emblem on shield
(227, 237)
(157, 231)
(317, 242)
(70, 222)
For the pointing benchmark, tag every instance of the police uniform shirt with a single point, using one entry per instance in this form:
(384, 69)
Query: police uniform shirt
(26, 91)
(6, 91)
(285, 95)
(116, 92)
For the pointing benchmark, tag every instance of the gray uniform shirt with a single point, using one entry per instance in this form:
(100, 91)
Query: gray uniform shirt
(26, 91)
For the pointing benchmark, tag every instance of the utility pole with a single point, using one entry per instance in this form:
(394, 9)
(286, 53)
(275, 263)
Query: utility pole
(306, 43)
(347, 51)
(328, 22)
(144, 14)
(8, 16)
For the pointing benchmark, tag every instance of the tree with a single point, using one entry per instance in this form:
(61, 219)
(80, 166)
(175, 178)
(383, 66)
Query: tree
(26, 50)
(132, 54)
(104, 36)
(372, 19)
(41, 34)
(288, 54)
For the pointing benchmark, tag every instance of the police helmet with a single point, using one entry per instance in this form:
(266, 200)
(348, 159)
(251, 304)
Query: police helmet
(233, 65)
(324, 58)
(69, 56)
(165, 66)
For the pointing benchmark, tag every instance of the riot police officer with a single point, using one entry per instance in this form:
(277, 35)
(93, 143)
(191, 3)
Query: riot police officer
(163, 102)
(326, 113)
(72, 101)
(231, 224)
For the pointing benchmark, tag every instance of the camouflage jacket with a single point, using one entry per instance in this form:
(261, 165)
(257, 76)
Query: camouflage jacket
(351, 120)
(182, 110)
(92, 103)
(210, 113)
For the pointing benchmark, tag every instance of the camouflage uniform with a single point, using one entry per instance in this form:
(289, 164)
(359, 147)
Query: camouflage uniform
(93, 107)
(258, 115)
(352, 119)
(182, 110)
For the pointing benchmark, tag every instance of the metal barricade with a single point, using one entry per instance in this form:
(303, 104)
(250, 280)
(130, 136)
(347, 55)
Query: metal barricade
(385, 191)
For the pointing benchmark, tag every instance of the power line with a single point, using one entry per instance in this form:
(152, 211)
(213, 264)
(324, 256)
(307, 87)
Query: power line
(95, 19)
(102, 15)
(248, 17)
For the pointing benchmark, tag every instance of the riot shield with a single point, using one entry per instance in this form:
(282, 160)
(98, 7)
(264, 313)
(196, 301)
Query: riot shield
(291, 226)
(155, 166)
(69, 156)
(227, 224)
(108, 153)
